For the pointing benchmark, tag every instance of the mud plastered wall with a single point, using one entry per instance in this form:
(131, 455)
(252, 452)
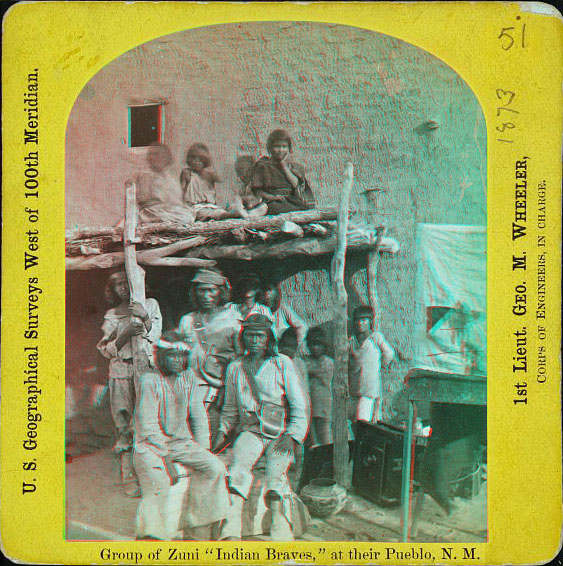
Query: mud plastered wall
(409, 123)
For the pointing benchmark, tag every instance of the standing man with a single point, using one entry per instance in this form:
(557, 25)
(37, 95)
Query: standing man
(266, 398)
(369, 351)
(212, 332)
(123, 321)
(246, 302)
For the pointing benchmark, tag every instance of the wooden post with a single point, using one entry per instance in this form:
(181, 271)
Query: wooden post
(373, 262)
(340, 300)
(407, 472)
(135, 275)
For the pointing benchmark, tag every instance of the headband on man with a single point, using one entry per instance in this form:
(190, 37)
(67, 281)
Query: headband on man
(257, 322)
(163, 344)
(209, 278)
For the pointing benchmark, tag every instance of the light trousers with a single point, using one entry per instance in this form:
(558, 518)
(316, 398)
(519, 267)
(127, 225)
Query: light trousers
(369, 409)
(247, 450)
(160, 507)
(166, 508)
(122, 403)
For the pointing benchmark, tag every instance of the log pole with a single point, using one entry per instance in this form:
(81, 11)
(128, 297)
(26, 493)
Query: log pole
(340, 300)
(135, 276)
(180, 262)
(373, 263)
(206, 228)
(146, 257)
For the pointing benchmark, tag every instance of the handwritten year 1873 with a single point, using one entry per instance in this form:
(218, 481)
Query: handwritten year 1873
(509, 37)
(512, 37)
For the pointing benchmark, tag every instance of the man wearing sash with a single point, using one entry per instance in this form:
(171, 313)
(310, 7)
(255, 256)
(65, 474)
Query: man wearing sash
(266, 398)
(212, 334)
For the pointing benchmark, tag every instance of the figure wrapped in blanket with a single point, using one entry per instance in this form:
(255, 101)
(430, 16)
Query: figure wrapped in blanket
(279, 181)
(159, 195)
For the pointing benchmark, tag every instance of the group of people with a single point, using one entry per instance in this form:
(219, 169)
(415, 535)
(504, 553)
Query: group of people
(272, 185)
(246, 374)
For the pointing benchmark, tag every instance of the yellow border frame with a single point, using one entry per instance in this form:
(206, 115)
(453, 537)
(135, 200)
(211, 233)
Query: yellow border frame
(71, 41)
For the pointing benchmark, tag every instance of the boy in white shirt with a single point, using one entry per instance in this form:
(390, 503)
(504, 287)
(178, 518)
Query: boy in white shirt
(369, 351)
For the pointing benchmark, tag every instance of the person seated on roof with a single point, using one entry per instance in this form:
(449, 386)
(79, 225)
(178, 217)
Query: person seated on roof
(199, 180)
(278, 180)
(246, 303)
(159, 195)
(255, 206)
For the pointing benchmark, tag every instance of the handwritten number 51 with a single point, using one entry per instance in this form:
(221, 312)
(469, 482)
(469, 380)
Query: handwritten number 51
(509, 35)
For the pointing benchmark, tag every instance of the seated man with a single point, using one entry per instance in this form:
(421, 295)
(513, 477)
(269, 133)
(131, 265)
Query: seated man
(162, 439)
(266, 398)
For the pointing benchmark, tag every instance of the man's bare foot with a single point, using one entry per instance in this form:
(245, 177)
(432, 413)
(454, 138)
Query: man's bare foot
(280, 529)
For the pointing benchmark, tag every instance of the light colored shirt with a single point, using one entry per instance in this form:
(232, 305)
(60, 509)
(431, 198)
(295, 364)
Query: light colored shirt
(218, 336)
(365, 364)
(160, 415)
(285, 317)
(277, 382)
(158, 188)
(199, 192)
(257, 308)
(112, 328)
(301, 369)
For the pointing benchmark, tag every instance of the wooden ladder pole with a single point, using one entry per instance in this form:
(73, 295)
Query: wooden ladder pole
(135, 275)
(341, 455)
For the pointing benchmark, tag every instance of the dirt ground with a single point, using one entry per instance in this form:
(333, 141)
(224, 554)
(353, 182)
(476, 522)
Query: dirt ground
(97, 509)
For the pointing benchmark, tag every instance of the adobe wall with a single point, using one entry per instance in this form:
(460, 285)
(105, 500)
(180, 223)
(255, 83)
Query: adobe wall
(344, 93)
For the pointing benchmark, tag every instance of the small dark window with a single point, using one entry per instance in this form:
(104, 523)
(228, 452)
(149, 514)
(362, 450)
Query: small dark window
(145, 124)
